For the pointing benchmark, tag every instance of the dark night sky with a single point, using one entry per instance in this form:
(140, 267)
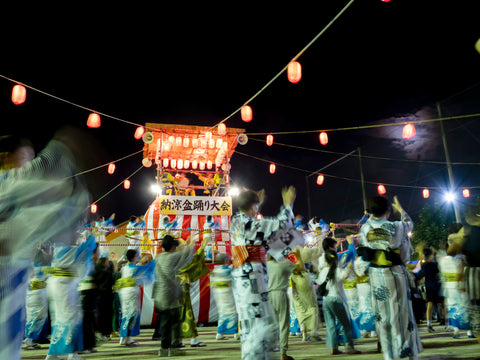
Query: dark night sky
(195, 64)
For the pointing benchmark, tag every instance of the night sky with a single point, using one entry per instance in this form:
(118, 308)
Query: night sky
(196, 64)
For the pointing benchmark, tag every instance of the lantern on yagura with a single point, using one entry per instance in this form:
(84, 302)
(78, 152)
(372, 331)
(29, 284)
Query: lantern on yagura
(111, 168)
(381, 189)
(222, 129)
(139, 132)
(320, 179)
(323, 137)
(93, 208)
(269, 140)
(426, 193)
(272, 168)
(19, 94)
(126, 184)
(294, 72)
(466, 193)
(246, 113)
(408, 131)
(94, 121)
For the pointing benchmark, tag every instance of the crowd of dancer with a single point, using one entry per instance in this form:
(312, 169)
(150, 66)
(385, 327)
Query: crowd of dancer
(67, 287)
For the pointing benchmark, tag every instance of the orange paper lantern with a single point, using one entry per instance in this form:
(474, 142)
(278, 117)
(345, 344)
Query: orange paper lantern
(246, 113)
(139, 132)
(294, 72)
(323, 138)
(381, 189)
(165, 162)
(466, 193)
(320, 179)
(269, 140)
(408, 131)
(426, 193)
(94, 121)
(272, 168)
(126, 184)
(111, 168)
(19, 94)
(93, 208)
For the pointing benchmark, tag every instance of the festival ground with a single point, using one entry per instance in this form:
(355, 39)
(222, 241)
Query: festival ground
(438, 345)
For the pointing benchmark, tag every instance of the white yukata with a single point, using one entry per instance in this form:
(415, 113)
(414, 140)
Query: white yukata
(134, 235)
(129, 292)
(456, 298)
(37, 305)
(221, 284)
(250, 279)
(69, 265)
(38, 202)
(390, 292)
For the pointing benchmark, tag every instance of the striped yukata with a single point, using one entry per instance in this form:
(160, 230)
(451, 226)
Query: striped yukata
(38, 202)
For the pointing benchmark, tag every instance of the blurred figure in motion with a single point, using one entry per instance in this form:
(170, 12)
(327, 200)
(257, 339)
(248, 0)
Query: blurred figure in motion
(40, 200)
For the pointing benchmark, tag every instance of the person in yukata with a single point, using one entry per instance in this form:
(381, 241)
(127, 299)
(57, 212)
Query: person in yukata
(251, 239)
(385, 249)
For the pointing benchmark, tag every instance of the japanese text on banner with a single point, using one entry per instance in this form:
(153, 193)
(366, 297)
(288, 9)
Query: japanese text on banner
(195, 205)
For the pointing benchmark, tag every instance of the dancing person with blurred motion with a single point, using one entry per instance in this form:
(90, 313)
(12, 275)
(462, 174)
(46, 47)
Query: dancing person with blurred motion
(40, 200)
(385, 249)
(250, 239)
(456, 298)
(467, 242)
(133, 274)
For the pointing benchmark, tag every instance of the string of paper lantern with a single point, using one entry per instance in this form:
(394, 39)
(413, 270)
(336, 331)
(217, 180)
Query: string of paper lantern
(381, 186)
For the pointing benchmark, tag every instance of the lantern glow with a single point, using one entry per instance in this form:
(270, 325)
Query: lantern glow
(126, 184)
(165, 162)
(294, 72)
(246, 113)
(466, 193)
(94, 121)
(139, 132)
(408, 131)
(272, 168)
(269, 140)
(93, 208)
(111, 168)
(323, 138)
(222, 129)
(381, 189)
(186, 142)
(426, 193)
(320, 179)
(19, 94)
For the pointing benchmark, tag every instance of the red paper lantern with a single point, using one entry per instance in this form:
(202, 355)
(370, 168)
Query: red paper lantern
(323, 138)
(139, 132)
(209, 164)
(269, 140)
(272, 168)
(93, 208)
(294, 72)
(466, 193)
(94, 121)
(111, 168)
(408, 131)
(126, 184)
(426, 193)
(246, 113)
(19, 94)
(381, 189)
(320, 179)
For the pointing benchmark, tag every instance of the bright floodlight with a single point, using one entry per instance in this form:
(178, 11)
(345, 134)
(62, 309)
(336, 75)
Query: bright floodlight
(156, 189)
(234, 191)
(449, 196)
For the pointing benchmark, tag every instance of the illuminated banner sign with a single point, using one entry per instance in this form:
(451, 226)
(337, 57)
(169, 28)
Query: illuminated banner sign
(195, 205)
